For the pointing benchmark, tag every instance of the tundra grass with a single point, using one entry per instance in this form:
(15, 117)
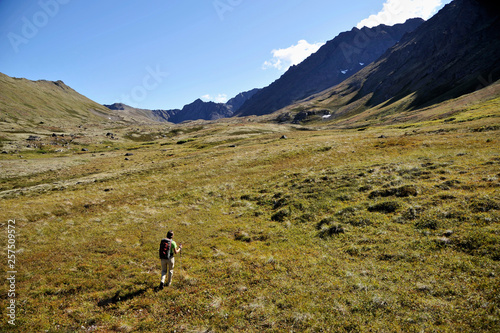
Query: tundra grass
(381, 230)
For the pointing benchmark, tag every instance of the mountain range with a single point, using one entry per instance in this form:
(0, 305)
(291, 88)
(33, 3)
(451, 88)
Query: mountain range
(402, 67)
(444, 58)
(382, 70)
(193, 111)
(455, 52)
(337, 60)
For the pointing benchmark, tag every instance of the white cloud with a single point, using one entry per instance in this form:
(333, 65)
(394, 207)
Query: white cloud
(293, 55)
(220, 98)
(398, 11)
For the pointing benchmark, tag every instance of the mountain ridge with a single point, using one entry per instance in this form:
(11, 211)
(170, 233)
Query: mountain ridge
(443, 53)
(337, 60)
(196, 110)
(454, 53)
(32, 102)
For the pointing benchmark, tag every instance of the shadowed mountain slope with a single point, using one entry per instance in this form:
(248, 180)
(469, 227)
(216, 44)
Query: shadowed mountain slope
(454, 53)
(334, 62)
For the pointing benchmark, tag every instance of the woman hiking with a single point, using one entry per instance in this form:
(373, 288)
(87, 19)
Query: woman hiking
(168, 248)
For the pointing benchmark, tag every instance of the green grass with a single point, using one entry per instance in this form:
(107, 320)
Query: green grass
(325, 231)
(2, 140)
(50, 102)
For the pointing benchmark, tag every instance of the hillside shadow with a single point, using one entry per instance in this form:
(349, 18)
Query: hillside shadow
(429, 95)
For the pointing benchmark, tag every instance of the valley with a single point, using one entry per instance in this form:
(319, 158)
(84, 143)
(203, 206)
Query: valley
(286, 227)
(358, 192)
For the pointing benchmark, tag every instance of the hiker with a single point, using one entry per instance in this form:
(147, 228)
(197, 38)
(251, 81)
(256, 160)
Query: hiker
(168, 248)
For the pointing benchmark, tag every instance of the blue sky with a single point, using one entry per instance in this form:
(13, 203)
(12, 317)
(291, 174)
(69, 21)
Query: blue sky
(163, 54)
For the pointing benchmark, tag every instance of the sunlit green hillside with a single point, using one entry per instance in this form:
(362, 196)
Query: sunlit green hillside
(31, 102)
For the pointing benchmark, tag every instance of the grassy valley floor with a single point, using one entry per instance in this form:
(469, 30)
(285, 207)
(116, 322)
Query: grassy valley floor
(384, 229)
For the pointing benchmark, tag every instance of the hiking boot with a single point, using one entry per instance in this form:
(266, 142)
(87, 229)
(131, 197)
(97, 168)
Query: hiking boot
(161, 286)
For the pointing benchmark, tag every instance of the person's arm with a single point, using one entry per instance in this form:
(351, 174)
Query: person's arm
(178, 249)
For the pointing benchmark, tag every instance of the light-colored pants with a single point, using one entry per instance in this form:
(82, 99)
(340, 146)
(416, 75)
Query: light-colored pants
(167, 265)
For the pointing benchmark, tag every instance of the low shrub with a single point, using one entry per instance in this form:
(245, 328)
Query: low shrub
(304, 218)
(385, 207)
(242, 236)
(485, 204)
(427, 223)
(281, 215)
(183, 141)
(399, 192)
(326, 221)
(331, 230)
(479, 243)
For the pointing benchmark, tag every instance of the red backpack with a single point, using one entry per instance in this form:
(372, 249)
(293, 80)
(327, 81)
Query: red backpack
(165, 246)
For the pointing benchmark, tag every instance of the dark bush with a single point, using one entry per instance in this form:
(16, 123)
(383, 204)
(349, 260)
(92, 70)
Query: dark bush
(479, 243)
(385, 207)
(248, 197)
(348, 211)
(478, 205)
(365, 188)
(412, 213)
(242, 236)
(183, 141)
(427, 223)
(280, 215)
(325, 221)
(305, 218)
(449, 184)
(331, 230)
(358, 222)
(400, 192)
(281, 203)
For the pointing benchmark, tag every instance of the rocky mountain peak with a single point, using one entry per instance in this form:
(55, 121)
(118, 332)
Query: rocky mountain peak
(334, 62)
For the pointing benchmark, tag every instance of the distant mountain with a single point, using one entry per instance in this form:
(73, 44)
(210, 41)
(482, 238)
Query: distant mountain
(334, 62)
(201, 110)
(139, 115)
(235, 103)
(31, 102)
(193, 111)
(455, 52)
